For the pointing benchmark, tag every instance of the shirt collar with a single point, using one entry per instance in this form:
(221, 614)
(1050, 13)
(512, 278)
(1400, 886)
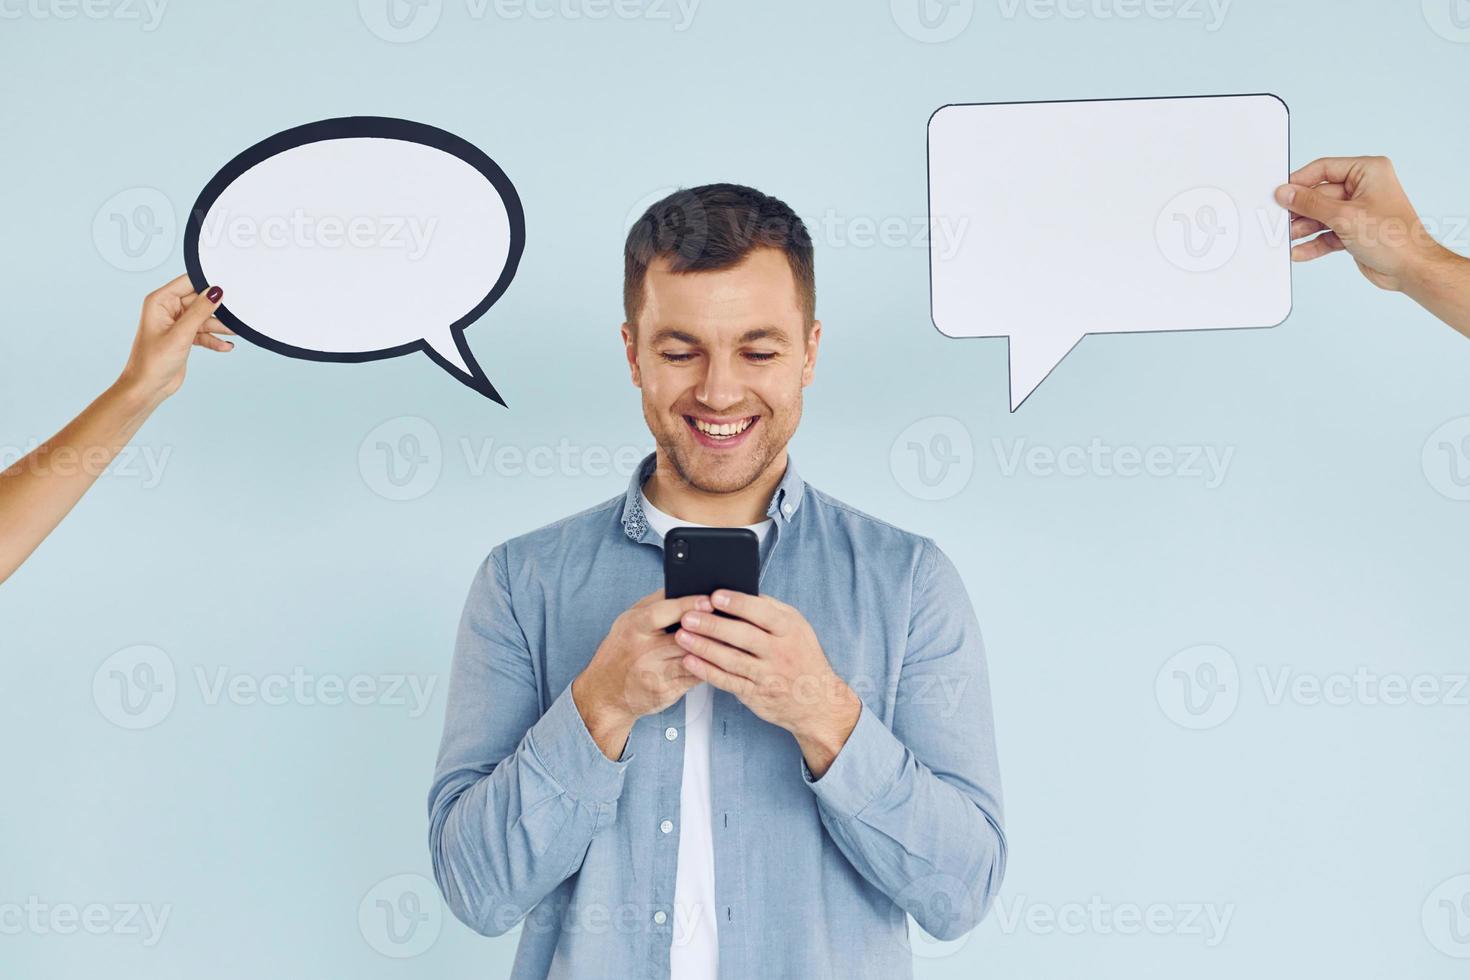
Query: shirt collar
(785, 502)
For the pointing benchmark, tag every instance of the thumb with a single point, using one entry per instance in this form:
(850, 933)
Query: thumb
(198, 313)
(1311, 203)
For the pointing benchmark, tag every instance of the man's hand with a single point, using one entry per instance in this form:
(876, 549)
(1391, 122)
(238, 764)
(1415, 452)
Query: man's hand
(769, 657)
(636, 671)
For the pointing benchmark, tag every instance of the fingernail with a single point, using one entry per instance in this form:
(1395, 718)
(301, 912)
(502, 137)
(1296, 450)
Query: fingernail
(703, 605)
(691, 620)
(681, 637)
(214, 294)
(1285, 194)
(721, 599)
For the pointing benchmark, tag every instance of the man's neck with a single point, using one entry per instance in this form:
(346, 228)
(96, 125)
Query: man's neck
(667, 491)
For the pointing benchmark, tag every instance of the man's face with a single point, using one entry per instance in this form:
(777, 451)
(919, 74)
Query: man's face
(721, 358)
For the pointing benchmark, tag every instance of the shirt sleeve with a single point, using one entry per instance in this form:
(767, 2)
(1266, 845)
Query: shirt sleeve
(518, 794)
(916, 807)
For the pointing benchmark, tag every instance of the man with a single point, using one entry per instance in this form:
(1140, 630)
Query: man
(759, 796)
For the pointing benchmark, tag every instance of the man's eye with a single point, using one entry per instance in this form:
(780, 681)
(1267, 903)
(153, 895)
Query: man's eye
(761, 355)
(676, 358)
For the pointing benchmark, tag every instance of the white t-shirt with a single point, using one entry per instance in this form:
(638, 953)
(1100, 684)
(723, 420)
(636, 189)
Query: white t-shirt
(694, 953)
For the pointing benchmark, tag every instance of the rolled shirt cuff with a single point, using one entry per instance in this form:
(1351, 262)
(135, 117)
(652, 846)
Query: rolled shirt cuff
(866, 767)
(566, 748)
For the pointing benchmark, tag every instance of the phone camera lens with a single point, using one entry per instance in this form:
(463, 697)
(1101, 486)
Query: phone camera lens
(681, 550)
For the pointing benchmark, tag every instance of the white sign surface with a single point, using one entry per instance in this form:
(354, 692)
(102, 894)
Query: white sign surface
(1135, 215)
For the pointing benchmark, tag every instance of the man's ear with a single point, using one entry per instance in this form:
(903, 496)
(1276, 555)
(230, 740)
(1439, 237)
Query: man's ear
(630, 350)
(809, 364)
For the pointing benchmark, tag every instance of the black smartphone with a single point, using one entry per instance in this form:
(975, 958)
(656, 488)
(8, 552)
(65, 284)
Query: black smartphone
(698, 560)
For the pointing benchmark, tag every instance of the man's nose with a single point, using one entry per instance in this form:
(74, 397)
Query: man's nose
(719, 388)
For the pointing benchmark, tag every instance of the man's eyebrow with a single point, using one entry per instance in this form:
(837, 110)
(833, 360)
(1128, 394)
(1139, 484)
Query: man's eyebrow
(772, 334)
(669, 333)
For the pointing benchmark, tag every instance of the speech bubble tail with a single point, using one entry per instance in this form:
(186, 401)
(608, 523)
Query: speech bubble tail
(454, 356)
(1032, 358)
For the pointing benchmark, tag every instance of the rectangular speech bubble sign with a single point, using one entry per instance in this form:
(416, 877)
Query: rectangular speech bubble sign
(1107, 216)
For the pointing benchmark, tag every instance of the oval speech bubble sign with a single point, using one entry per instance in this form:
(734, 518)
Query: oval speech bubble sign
(357, 239)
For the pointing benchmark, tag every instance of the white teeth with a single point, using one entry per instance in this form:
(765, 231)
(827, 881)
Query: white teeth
(724, 430)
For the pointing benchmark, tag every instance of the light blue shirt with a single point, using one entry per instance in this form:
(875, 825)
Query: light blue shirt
(531, 823)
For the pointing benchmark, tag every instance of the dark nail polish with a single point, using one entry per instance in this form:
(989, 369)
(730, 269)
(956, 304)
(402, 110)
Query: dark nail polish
(214, 294)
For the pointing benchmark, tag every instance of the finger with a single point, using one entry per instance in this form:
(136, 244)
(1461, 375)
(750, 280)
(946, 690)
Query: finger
(1335, 192)
(1335, 169)
(717, 676)
(651, 597)
(213, 325)
(727, 658)
(198, 313)
(161, 308)
(213, 343)
(666, 612)
(1310, 202)
(733, 632)
(1305, 227)
(1324, 244)
(176, 288)
(765, 612)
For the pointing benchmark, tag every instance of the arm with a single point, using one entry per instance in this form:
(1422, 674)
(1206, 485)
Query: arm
(39, 490)
(1357, 205)
(917, 810)
(516, 798)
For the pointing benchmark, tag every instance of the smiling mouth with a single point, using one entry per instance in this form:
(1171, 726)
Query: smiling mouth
(711, 433)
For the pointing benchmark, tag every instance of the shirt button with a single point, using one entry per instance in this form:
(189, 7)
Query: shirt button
(787, 509)
(671, 733)
(660, 917)
(666, 826)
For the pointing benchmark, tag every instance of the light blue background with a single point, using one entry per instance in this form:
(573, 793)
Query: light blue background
(1321, 829)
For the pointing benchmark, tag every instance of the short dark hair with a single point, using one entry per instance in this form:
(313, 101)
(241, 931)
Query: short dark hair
(711, 227)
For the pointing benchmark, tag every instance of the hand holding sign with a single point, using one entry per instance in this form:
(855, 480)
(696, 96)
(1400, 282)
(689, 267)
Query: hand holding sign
(357, 239)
